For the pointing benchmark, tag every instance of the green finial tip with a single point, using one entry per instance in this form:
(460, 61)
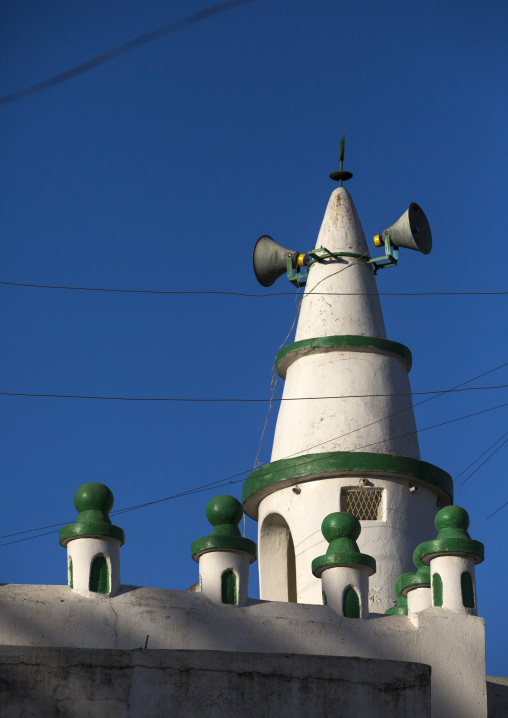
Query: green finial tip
(340, 525)
(224, 513)
(452, 517)
(342, 147)
(94, 497)
(223, 510)
(341, 176)
(341, 530)
(452, 523)
(93, 501)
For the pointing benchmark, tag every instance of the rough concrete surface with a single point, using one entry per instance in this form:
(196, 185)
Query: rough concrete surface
(451, 643)
(87, 683)
(497, 696)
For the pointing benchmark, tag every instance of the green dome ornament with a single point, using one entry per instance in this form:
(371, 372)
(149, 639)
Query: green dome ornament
(94, 502)
(419, 579)
(224, 513)
(341, 530)
(453, 538)
(400, 609)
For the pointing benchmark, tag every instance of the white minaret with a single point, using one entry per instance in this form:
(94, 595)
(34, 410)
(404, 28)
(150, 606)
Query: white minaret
(356, 452)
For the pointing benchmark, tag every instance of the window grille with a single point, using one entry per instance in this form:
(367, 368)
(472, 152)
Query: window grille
(365, 504)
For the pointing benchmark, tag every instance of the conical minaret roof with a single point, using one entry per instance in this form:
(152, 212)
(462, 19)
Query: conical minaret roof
(341, 351)
(321, 315)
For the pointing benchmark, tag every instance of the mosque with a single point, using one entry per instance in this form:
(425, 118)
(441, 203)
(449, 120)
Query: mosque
(368, 600)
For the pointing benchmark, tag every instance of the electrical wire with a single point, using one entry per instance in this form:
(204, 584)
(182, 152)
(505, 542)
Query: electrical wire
(259, 296)
(219, 484)
(479, 457)
(488, 517)
(258, 401)
(402, 411)
(483, 462)
(122, 49)
(228, 480)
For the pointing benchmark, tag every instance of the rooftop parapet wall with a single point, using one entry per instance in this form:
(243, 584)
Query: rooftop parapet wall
(452, 644)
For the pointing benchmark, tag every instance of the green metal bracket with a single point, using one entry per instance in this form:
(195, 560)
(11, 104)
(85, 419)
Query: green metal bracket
(295, 276)
(318, 254)
(389, 259)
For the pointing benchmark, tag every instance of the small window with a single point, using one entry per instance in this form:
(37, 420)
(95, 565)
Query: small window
(228, 587)
(99, 575)
(466, 584)
(351, 603)
(365, 504)
(71, 578)
(437, 590)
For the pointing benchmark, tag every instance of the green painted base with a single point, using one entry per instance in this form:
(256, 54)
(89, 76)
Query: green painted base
(223, 543)
(451, 547)
(88, 530)
(291, 352)
(351, 560)
(396, 611)
(287, 472)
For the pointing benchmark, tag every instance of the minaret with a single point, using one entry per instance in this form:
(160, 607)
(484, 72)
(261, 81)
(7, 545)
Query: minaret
(356, 451)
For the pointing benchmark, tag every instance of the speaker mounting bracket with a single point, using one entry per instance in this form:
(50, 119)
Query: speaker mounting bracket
(390, 257)
(318, 254)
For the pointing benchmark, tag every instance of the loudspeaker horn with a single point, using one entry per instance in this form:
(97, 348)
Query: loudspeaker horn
(412, 230)
(269, 260)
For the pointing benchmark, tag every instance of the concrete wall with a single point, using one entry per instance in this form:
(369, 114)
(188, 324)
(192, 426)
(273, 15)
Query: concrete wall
(452, 644)
(84, 683)
(497, 696)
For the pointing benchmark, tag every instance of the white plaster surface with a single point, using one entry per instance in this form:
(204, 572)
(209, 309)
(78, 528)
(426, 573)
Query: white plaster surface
(450, 569)
(321, 315)
(418, 599)
(212, 565)
(336, 579)
(452, 643)
(378, 424)
(82, 551)
(408, 520)
(277, 579)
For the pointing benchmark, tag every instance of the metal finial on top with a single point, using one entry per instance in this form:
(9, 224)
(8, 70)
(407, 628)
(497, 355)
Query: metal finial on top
(341, 176)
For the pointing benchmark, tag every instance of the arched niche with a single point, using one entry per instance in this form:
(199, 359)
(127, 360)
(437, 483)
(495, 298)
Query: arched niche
(277, 571)
(99, 575)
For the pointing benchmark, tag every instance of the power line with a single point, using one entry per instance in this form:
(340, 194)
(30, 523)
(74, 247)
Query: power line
(402, 411)
(244, 400)
(122, 49)
(228, 480)
(219, 483)
(483, 462)
(245, 294)
(488, 517)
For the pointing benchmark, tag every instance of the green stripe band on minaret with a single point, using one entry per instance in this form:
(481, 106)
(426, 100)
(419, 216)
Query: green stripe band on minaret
(309, 467)
(291, 352)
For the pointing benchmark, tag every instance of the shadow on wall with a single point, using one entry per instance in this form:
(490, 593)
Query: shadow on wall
(497, 697)
(278, 576)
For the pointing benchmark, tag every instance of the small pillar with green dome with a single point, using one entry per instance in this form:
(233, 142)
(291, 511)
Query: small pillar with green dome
(400, 608)
(452, 557)
(224, 556)
(93, 543)
(415, 587)
(343, 570)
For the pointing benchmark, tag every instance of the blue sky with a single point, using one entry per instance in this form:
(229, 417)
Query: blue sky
(160, 170)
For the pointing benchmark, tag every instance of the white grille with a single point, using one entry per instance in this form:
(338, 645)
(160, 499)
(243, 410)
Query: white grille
(365, 504)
